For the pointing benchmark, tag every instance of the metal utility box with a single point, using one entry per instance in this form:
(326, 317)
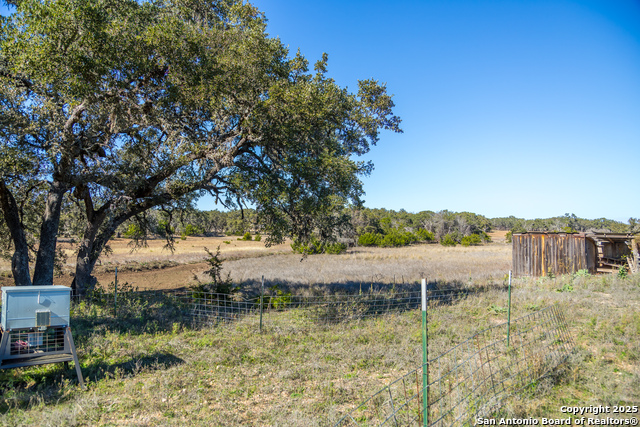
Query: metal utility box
(34, 329)
(35, 306)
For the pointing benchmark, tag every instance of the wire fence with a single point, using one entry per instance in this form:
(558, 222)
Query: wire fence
(322, 309)
(473, 378)
(199, 307)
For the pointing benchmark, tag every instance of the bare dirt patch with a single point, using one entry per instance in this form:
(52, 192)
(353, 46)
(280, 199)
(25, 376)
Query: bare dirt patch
(154, 266)
(498, 236)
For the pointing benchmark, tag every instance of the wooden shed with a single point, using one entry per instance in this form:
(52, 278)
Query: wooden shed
(538, 254)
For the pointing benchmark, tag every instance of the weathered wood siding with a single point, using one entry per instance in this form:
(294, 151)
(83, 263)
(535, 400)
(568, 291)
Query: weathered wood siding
(538, 254)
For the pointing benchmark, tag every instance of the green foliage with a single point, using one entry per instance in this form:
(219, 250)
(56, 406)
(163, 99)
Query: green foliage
(257, 237)
(567, 287)
(315, 246)
(424, 235)
(397, 238)
(192, 230)
(581, 273)
(622, 273)
(133, 231)
(569, 223)
(218, 284)
(335, 248)
(165, 227)
(448, 240)
(246, 236)
(472, 240)
(280, 300)
(509, 236)
(370, 239)
(393, 238)
(495, 309)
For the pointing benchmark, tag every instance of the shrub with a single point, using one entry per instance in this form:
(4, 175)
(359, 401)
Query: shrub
(622, 273)
(312, 247)
(218, 284)
(370, 239)
(335, 248)
(448, 240)
(191, 230)
(315, 246)
(424, 235)
(133, 231)
(257, 237)
(246, 236)
(471, 240)
(393, 239)
(509, 236)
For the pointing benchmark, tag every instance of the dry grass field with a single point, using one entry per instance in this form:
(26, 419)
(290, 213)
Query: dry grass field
(156, 372)
(154, 267)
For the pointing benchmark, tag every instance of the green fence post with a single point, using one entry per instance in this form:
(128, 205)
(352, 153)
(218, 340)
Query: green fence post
(509, 313)
(425, 357)
(115, 296)
(261, 302)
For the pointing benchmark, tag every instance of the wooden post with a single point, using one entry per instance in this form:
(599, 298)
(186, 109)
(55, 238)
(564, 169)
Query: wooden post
(509, 312)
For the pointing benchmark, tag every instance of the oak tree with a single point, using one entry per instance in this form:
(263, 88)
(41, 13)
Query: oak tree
(122, 106)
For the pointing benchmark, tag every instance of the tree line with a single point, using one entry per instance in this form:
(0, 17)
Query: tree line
(382, 227)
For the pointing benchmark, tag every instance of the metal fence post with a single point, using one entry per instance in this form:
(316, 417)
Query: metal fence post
(509, 313)
(261, 302)
(425, 357)
(115, 296)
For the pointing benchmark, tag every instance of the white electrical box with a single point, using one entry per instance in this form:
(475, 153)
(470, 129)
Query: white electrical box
(35, 306)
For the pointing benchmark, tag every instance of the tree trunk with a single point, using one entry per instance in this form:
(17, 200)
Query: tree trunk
(87, 258)
(96, 236)
(20, 259)
(83, 280)
(45, 259)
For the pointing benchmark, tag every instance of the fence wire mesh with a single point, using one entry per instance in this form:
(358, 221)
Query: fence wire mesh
(207, 308)
(473, 378)
(26, 342)
(341, 308)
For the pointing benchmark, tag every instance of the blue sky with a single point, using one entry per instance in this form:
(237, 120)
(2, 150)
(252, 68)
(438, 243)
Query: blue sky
(525, 108)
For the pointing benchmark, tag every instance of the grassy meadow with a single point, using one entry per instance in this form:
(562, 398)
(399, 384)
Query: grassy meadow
(152, 370)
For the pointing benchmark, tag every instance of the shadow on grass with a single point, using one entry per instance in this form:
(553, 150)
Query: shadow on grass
(45, 384)
(326, 307)
(154, 362)
(251, 289)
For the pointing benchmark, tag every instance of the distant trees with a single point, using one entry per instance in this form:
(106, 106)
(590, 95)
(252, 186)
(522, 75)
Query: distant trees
(457, 225)
(568, 223)
(382, 227)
